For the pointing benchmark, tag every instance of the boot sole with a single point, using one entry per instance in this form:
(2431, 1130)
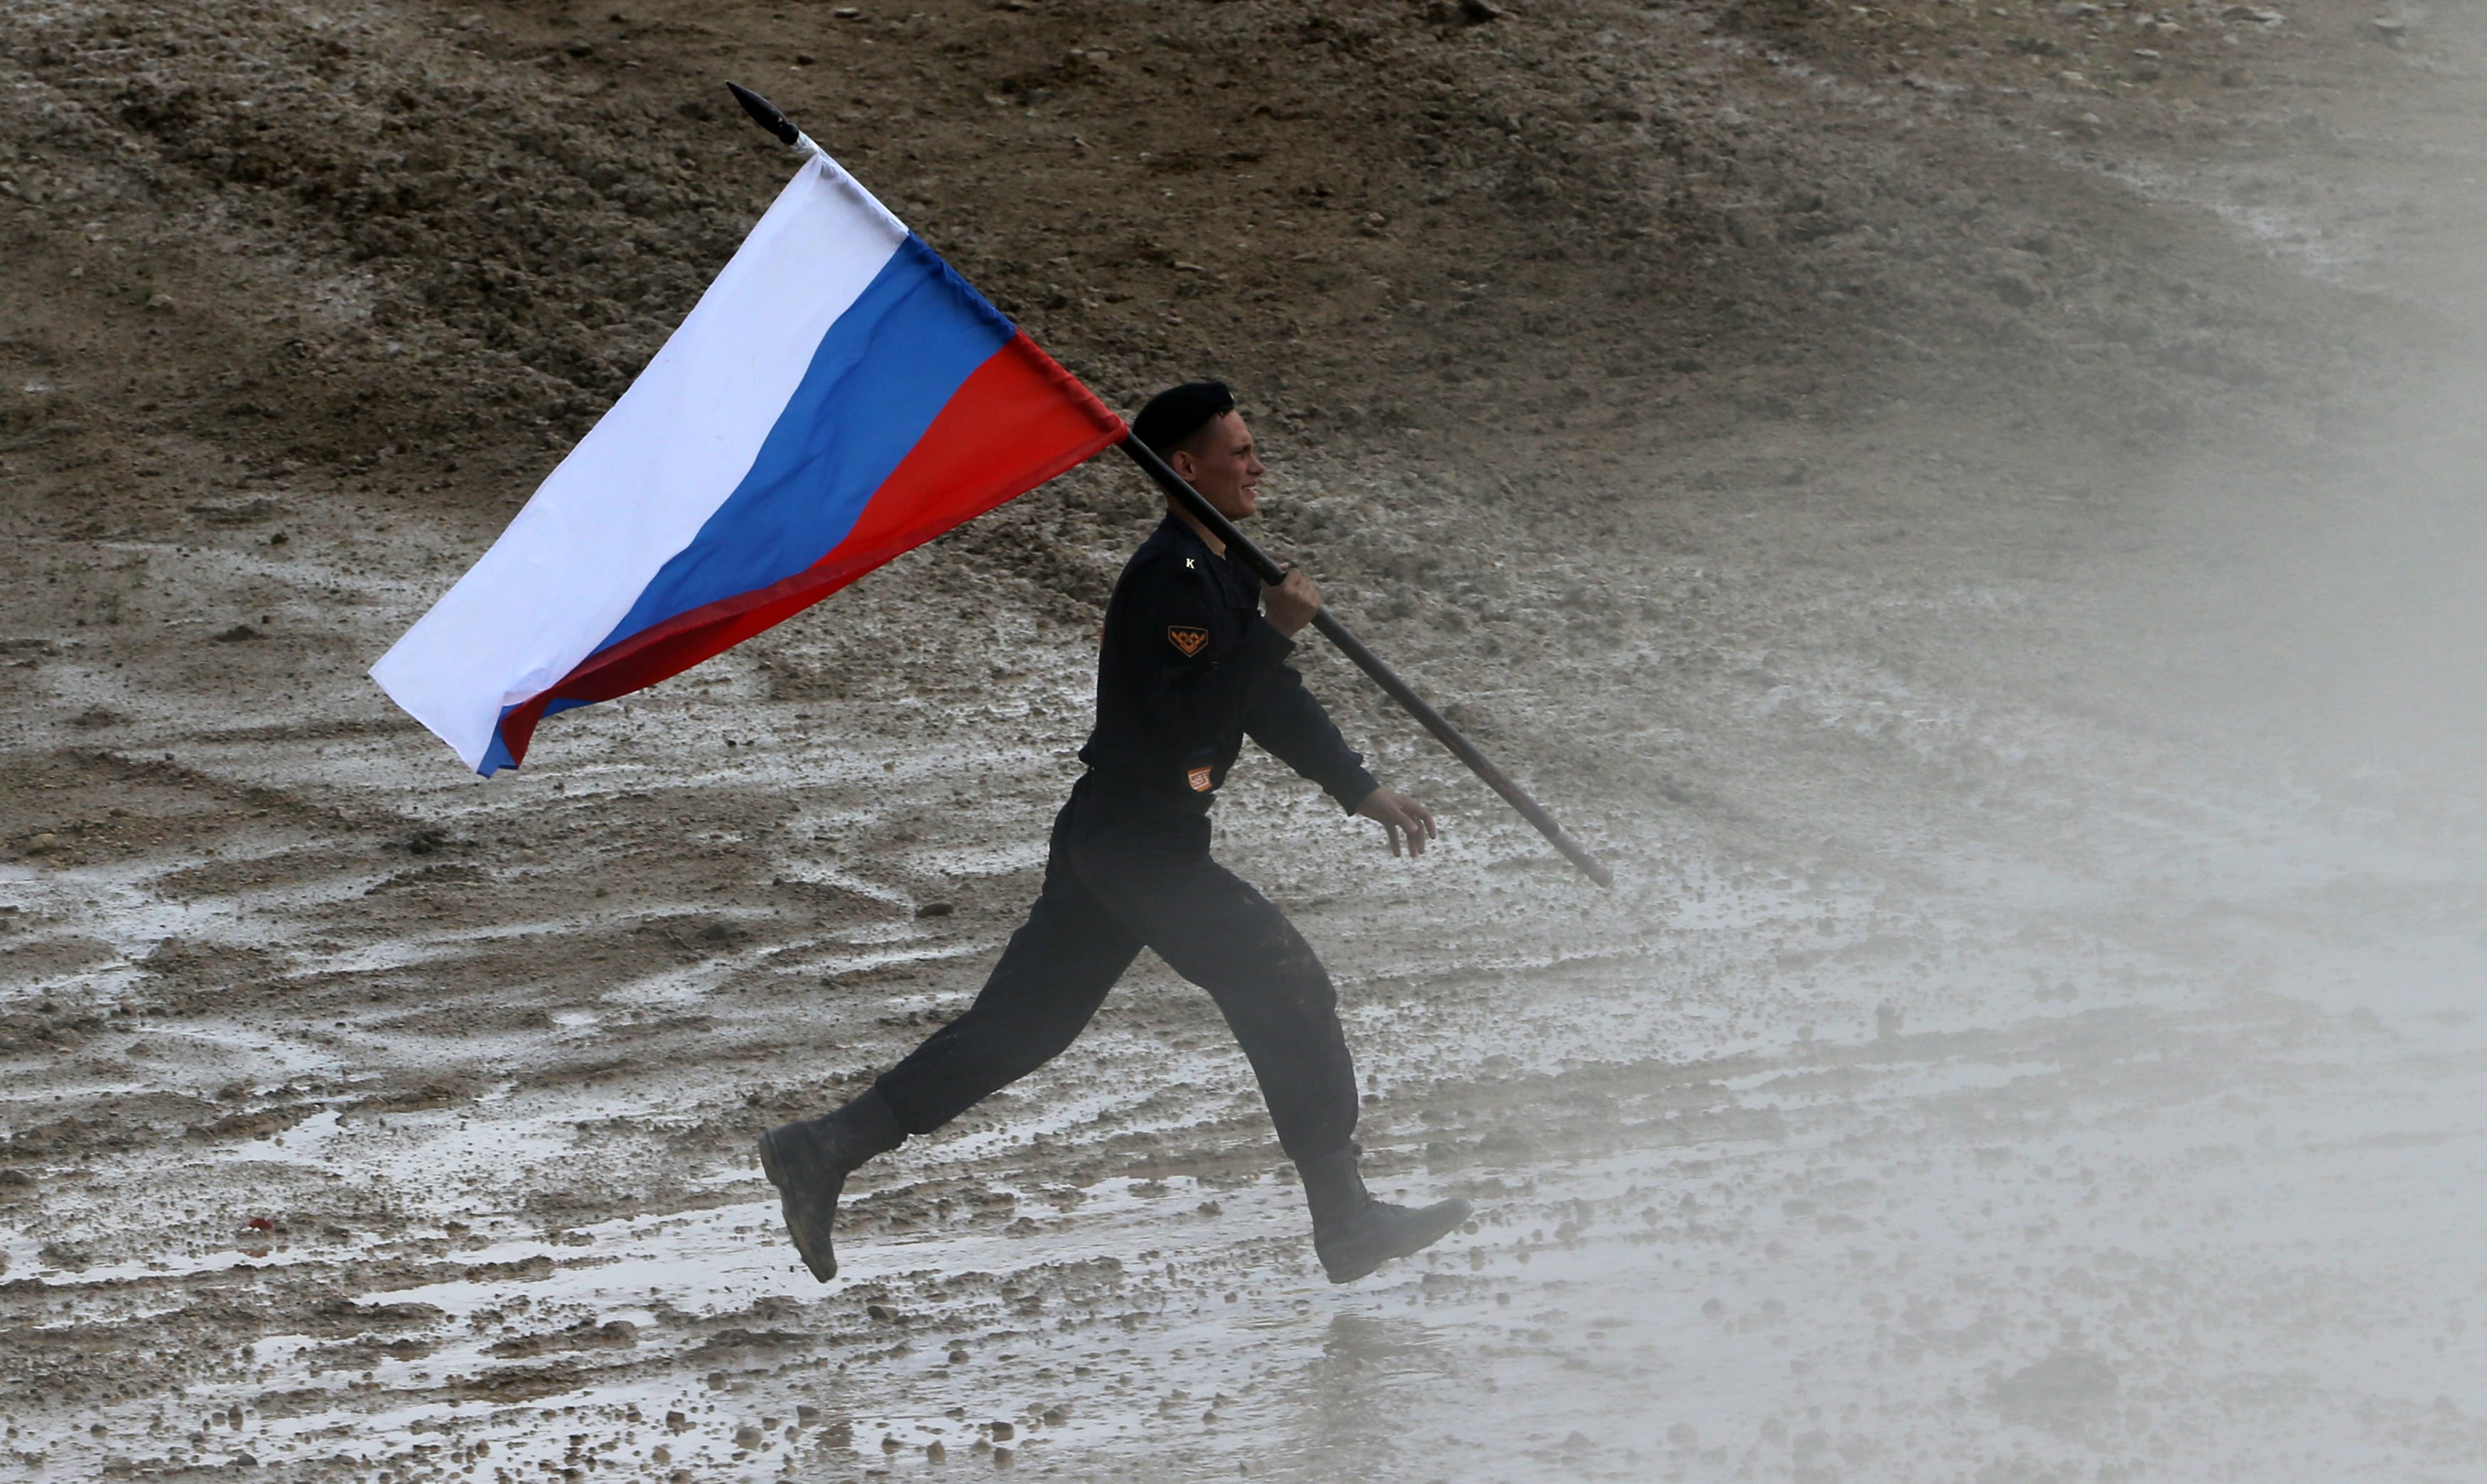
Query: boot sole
(1433, 1231)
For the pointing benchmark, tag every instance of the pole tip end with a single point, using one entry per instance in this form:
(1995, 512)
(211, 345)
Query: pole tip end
(765, 113)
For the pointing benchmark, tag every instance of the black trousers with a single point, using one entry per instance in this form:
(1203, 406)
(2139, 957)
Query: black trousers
(1122, 874)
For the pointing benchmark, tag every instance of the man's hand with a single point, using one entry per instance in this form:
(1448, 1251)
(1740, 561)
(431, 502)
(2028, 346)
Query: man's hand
(1291, 604)
(1399, 815)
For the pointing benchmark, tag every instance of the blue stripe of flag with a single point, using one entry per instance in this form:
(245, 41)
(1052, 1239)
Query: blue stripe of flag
(883, 372)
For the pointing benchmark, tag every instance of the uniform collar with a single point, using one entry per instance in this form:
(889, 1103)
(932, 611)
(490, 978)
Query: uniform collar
(1184, 535)
(1186, 543)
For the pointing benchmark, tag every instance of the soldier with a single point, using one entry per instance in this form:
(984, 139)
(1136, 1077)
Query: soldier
(1194, 657)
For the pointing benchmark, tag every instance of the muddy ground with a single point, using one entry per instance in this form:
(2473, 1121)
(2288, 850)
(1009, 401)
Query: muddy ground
(1971, 507)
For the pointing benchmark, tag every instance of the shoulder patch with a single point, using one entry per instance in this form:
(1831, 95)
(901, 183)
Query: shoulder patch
(1185, 638)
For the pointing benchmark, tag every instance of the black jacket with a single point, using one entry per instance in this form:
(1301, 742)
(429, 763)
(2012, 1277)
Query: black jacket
(1189, 667)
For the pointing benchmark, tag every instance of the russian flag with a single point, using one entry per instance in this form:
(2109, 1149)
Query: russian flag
(838, 397)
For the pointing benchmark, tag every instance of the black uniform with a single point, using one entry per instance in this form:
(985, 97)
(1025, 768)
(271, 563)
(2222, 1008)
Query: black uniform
(1189, 668)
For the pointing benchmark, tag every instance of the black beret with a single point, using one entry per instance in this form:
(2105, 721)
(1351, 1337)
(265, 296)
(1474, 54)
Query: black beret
(1179, 412)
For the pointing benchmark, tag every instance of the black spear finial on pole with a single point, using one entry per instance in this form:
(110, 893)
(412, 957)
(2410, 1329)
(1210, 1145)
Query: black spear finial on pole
(1178, 490)
(766, 114)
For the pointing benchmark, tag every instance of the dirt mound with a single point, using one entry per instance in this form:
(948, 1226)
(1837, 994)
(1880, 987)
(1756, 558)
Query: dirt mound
(423, 247)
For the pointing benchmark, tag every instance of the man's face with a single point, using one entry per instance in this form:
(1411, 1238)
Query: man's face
(1220, 462)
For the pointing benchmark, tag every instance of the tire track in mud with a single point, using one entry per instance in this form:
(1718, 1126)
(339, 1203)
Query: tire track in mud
(1107, 1209)
(450, 1076)
(405, 1029)
(1828, 1159)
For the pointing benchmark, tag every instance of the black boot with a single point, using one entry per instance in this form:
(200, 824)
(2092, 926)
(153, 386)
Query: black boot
(1354, 1233)
(809, 1160)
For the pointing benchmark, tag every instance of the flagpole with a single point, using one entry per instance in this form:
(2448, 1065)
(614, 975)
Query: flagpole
(1178, 490)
